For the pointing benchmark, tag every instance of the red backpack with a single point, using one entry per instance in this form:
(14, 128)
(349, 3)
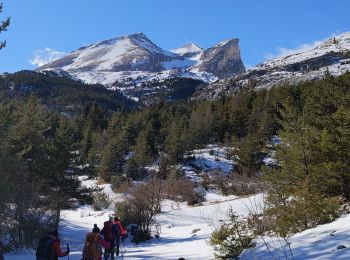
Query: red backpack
(121, 228)
(108, 230)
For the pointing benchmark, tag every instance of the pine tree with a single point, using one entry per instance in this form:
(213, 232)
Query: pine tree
(175, 142)
(113, 158)
(199, 125)
(249, 154)
(336, 150)
(145, 149)
(3, 26)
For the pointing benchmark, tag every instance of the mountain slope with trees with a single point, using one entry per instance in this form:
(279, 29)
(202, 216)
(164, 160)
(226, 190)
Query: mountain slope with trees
(60, 92)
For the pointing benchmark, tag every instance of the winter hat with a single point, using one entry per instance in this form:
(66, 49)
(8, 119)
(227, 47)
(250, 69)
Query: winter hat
(96, 229)
(54, 233)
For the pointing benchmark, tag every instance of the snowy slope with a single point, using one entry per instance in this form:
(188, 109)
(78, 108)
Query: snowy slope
(338, 44)
(188, 48)
(332, 55)
(317, 243)
(122, 53)
(207, 161)
(185, 230)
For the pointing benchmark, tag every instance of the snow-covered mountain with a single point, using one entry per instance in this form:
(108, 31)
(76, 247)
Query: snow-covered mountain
(128, 53)
(188, 49)
(330, 56)
(134, 59)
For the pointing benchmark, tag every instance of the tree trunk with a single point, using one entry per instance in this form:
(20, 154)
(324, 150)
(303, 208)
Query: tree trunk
(58, 216)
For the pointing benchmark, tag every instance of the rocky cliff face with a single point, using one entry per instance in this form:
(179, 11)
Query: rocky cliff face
(223, 59)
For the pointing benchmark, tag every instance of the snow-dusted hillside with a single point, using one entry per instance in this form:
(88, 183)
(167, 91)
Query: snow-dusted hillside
(338, 44)
(323, 242)
(331, 56)
(133, 52)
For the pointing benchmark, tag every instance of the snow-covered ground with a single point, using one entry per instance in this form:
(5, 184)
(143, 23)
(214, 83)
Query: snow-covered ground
(211, 158)
(185, 230)
(316, 243)
(339, 43)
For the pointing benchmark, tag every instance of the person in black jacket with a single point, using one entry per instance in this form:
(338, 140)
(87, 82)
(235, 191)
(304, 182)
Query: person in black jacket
(49, 247)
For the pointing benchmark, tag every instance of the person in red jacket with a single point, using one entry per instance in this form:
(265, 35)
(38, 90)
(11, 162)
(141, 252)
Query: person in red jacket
(122, 233)
(57, 245)
(121, 228)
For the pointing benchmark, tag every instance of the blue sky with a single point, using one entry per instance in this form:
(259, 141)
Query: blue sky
(264, 27)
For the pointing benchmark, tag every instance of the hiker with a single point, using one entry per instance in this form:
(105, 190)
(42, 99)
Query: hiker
(1, 250)
(121, 236)
(92, 247)
(94, 244)
(110, 232)
(49, 247)
(96, 229)
(123, 233)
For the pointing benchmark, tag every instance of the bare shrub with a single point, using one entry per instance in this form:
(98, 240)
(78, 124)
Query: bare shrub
(142, 205)
(236, 184)
(101, 181)
(181, 189)
(206, 181)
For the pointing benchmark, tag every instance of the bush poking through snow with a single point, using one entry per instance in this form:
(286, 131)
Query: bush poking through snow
(142, 206)
(101, 201)
(232, 238)
(119, 184)
(181, 189)
(236, 184)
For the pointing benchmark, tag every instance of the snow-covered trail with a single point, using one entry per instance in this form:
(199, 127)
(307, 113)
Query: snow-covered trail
(185, 231)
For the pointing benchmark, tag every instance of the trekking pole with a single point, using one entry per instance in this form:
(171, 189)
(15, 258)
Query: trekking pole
(123, 245)
(122, 251)
(68, 251)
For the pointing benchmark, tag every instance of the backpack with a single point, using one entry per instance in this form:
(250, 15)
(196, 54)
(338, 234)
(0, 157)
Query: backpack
(122, 231)
(108, 230)
(45, 248)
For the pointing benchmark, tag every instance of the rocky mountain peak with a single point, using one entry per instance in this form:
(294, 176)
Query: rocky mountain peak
(223, 59)
(188, 48)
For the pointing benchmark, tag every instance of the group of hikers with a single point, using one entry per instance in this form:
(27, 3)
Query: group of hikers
(109, 239)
